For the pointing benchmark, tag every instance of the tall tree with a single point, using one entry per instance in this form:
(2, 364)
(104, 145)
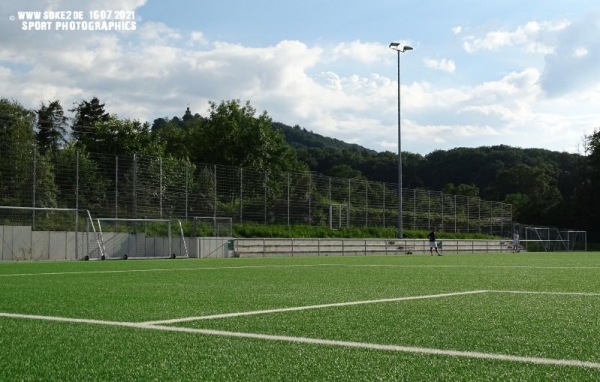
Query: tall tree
(124, 137)
(17, 152)
(589, 190)
(51, 127)
(88, 114)
(26, 177)
(531, 190)
(233, 136)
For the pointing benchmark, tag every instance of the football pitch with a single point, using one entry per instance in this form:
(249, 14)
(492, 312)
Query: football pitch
(484, 317)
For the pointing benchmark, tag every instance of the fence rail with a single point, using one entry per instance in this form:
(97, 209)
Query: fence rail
(148, 187)
(266, 247)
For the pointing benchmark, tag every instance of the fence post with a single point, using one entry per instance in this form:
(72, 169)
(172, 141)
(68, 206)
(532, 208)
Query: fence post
(134, 199)
(76, 180)
(442, 197)
(349, 205)
(366, 203)
(34, 181)
(414, 208)
(215, 191)
(383, 209)
(76, 207)
(428, 210)
(160, 185)
(116, 186)
(310, 222)
(187, 174)
(266, 179)
(479, 223)
(330, 203)
(241, 195)
(455, 216)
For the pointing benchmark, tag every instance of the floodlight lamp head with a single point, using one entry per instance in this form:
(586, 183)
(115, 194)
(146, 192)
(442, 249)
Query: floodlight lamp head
(399, 48)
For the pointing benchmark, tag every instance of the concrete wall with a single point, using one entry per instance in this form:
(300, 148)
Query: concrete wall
(21, 243)
(349, 247)
(210, 247)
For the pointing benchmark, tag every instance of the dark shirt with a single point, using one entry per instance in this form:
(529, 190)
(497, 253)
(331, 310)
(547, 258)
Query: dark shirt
(431, 236)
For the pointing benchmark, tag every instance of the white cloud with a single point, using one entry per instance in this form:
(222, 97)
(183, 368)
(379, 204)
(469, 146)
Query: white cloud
(533, 36)
(444, 65)
(158, 70)
(363, 52)
(158, 32)
(574, 65)
(580, 51)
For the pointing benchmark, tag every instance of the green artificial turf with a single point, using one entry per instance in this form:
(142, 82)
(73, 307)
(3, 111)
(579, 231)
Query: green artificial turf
(558, 324)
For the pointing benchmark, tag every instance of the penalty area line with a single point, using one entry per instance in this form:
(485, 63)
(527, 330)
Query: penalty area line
(309, 307)
(323, 342)
(382, 347)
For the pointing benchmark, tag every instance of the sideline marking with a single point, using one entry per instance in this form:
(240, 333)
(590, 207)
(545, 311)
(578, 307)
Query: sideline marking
(427, 266)
(588, 294)
(316, 341)
(308, 307)
(161, 270)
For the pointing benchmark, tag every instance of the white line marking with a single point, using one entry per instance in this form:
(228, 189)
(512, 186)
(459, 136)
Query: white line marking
(157, 270)
(427, 266)
(298, 308)
(316, 341)
(396, 348)
(587, 294)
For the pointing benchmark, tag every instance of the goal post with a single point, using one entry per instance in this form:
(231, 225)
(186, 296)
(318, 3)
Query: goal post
(43, 233)
(549, 239)
(122, 238)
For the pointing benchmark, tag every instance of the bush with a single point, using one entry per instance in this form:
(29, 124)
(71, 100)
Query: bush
(306, 231)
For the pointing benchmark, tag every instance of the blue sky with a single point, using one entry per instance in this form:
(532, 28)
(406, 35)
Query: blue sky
(520, 73)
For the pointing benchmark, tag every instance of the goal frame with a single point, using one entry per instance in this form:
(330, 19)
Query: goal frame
(129, 237)
(552, 239)
(75, 238)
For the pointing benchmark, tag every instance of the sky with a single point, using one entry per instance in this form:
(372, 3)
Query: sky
(502, 72)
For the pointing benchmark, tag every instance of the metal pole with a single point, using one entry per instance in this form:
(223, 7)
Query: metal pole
(400, 222)
(399, 49)
(215, 191)
(160, 190)
(187, 174)
(116, 186)
(76, 205)
(33, 185)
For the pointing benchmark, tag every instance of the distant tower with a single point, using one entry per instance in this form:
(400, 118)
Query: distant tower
(188, 115)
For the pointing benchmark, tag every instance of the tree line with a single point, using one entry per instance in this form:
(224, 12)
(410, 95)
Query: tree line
(544, 187)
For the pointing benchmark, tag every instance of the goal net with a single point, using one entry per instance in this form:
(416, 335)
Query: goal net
(545, 239)
(141, 238)
(36, 233)
(212, 226)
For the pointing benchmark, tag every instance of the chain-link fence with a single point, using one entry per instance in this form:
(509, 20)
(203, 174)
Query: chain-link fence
(143, 187)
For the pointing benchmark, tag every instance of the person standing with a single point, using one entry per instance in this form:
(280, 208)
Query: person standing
(433, 243)
(515, 241)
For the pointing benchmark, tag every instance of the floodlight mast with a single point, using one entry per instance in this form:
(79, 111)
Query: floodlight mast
(400, 49)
